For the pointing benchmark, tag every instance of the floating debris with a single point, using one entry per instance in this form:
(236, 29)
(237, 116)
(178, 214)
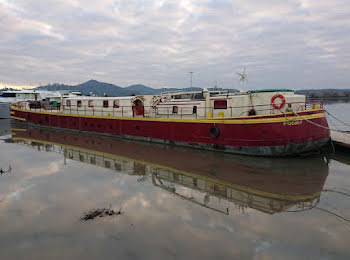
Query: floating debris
(92, 214)
(6, 171)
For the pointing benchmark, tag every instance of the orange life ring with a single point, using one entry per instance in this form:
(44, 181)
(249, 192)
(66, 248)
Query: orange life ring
(280, 105)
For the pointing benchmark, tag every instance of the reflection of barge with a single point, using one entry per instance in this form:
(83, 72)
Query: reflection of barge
(4, 110)
(5, 128)
(203, 178)
(267, 123)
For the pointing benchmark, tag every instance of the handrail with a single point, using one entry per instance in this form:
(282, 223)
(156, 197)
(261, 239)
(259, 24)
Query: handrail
(169, 111)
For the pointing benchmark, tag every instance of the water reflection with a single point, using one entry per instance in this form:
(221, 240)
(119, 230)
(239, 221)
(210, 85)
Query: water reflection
(219, 182)
(5, 128)
(8, 170)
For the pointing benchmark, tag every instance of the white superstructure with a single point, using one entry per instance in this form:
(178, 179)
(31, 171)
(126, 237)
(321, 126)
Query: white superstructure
(193, 104)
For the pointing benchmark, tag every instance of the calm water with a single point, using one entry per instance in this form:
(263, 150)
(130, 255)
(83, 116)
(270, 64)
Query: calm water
(175, 203)
(341, 111)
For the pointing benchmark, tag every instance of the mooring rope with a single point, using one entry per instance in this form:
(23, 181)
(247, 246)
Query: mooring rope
(334, 214)
(336, 191)
(336, 118)
(343, 133)
(313, 123)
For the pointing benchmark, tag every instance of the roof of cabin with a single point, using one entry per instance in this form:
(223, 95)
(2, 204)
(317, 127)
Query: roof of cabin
(100, 98)
(270, 90)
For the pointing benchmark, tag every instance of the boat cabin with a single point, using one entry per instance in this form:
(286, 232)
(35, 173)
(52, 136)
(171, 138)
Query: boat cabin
(105, 106)
(219, 103)
(184, 105)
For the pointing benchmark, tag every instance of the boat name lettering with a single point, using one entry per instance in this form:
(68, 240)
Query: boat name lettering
(294, 122)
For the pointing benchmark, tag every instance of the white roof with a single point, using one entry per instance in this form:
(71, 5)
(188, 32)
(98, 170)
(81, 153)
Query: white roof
(42, 94)
(100, 98)
(20, 91)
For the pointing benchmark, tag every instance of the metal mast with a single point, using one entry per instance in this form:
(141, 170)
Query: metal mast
(191, 75)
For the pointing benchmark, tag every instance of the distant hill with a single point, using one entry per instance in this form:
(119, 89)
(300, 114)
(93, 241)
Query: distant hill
(325, 93)
(100, 88)
(140, 89)
(54, 87)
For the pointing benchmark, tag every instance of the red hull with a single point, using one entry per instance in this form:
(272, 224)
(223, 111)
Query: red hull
(269, 136)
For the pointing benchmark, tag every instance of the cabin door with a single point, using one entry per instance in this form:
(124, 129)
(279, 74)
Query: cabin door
(138, 108)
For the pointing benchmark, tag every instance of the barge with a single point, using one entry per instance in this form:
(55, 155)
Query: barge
(262, 123)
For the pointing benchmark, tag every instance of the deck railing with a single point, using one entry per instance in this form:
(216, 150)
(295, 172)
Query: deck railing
(185, 112)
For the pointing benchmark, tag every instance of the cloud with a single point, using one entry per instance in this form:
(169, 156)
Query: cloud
(294, 44)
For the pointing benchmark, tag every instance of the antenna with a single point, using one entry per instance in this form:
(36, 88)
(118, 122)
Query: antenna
(244, 79)
(191, 75)
(243, 76)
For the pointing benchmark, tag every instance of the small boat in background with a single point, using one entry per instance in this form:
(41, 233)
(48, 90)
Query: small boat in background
(32, 96)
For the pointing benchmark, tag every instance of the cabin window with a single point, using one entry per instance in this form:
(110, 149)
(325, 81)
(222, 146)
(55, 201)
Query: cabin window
(220, 104)
(198, 96)
(105, 103)
(78, 103)
(138, 103)
(213, 94)
(116, 103)
(68, 103)
(185, 96)
(175, 109)
(194, 111)
(91, 103)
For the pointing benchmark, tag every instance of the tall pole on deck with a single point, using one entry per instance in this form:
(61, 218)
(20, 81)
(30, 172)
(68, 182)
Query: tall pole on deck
(191, 75)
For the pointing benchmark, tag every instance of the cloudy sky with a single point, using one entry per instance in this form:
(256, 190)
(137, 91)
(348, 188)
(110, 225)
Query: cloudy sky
(294, 44)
